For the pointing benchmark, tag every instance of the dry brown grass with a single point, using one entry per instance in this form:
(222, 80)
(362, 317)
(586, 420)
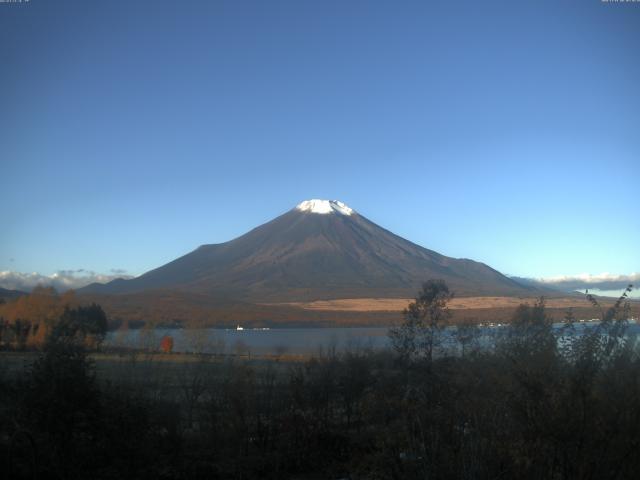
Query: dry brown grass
(397, 304)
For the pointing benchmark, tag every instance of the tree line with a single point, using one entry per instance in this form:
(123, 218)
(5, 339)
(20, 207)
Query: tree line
(30, 321)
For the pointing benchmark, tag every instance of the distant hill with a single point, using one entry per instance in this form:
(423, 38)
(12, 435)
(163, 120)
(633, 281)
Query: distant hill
(318, 250)
(10, 294)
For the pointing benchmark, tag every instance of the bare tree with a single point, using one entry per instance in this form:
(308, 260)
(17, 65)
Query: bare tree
(424, 321)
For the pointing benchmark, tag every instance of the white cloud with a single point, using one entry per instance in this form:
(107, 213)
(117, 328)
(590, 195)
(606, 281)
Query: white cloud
(62, 280)
(600, 284)
(591, 278)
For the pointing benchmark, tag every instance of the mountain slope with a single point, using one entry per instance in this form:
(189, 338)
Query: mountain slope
(318, 250)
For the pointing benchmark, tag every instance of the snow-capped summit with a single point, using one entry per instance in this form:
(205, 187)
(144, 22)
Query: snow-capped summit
(324, 207)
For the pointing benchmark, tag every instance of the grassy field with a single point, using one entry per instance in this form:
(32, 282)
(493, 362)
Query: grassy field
(387, 311)
(462, 303)
(141, 368)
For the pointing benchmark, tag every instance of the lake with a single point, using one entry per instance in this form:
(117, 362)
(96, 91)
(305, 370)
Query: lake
(280, 340)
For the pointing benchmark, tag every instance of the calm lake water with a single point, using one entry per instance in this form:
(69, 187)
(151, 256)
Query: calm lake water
(280, 340)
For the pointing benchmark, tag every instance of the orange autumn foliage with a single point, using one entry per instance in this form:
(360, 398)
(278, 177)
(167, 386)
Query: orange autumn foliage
(166, 344)
(33, 316)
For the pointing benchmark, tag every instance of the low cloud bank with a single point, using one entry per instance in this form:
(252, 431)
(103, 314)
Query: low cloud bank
(603, 281)
(62, 280)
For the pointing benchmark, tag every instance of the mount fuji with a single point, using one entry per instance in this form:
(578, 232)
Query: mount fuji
(321, 249)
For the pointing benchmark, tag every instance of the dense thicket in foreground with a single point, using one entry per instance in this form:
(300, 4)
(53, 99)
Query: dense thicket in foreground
(531, 407)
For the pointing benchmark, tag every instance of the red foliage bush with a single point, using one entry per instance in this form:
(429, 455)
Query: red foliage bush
(166, 344)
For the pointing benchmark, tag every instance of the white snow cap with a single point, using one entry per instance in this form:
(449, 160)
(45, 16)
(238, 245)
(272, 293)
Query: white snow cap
(324, 206)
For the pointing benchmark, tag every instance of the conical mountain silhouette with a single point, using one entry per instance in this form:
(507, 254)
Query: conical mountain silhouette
(319, 250)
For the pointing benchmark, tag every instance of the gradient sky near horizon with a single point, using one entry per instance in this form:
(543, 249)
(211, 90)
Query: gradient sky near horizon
(133, 131)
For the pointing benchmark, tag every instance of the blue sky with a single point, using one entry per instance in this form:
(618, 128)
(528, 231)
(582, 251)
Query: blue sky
(506, 132)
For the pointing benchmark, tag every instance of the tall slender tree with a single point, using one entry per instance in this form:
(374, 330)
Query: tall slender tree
(424, 320)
